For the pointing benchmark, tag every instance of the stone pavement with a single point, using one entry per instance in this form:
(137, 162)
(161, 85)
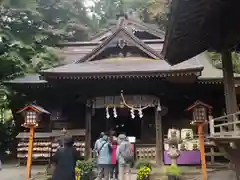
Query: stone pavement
(217, 175)
(12, 172)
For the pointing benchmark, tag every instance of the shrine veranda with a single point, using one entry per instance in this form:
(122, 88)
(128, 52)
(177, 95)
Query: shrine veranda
(86, 95)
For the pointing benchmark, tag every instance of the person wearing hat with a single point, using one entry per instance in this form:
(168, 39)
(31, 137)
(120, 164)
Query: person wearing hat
(124, 157)
(64, 161)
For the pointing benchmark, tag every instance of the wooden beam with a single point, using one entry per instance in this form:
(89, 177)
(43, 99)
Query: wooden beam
(159, 138)
(229, 85)
(88, 121)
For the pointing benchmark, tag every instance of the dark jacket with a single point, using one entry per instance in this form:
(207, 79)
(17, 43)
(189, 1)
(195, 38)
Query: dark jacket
(65, 161)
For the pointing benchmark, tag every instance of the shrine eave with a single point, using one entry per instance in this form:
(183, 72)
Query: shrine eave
(128, 75)
(27, 79)
(123, 67)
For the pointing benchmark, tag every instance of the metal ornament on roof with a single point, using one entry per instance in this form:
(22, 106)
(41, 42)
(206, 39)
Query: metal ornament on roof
(122, 43)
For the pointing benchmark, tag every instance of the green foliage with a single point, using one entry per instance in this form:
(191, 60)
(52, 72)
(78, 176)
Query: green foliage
(29, 33)
(31, 4)
(150, 11)
(143, 163)
(30, 29)
(7, 135)
(173, 170)
(86, 168)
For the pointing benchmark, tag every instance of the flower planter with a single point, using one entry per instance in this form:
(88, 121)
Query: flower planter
(172, 177)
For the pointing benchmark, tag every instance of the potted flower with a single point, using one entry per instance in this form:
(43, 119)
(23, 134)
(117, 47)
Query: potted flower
(173, 172)
(84, 169)
(77, 173)
(143, 173)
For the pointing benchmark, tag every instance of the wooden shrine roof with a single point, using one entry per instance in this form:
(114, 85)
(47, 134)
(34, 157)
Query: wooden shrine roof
(208, 73)
(35, 108)
(127, 66)
(75, 51)
(196, 26)
(84, 59)
(109, 66)
(121, 34)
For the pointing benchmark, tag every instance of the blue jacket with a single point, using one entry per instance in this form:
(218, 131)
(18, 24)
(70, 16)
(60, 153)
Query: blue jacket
(104, 153)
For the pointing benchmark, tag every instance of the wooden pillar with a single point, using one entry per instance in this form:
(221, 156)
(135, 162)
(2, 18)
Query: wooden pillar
(202, 149)
(229, 85)
(159, 138)
(88, 120)
(30, 152)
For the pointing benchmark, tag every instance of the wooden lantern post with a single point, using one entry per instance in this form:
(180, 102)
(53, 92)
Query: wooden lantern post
(31, 118)
(200, 111)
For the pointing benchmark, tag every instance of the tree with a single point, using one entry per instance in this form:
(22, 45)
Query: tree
(30, 29)
(106, 11)
(29, 33)
(150, 11)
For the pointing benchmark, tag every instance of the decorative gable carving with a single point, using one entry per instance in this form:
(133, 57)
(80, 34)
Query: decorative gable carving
(121, 44)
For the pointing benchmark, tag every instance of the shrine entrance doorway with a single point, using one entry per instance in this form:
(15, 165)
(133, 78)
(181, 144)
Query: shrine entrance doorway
(110, 113)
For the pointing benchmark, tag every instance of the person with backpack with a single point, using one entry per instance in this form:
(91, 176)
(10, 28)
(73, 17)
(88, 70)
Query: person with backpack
(124, 156)
(104, 158)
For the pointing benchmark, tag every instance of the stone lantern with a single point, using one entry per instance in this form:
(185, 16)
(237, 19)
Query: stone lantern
(173, 141)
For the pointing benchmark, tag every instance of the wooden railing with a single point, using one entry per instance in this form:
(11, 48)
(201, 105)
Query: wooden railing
(225, 126)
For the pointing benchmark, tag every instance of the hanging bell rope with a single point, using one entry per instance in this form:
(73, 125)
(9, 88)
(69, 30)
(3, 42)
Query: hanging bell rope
(132, 107)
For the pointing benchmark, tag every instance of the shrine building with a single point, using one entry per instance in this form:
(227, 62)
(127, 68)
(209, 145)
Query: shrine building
(119, 80)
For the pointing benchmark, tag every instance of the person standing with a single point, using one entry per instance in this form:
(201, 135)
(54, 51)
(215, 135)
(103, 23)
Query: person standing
(103, 158)
(64, 161)
(124, 156)
(97, 146)
(114, 164)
